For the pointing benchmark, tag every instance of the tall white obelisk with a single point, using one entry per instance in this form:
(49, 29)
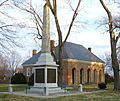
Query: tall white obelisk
(46, 67)
(45, 57)
(46, 30)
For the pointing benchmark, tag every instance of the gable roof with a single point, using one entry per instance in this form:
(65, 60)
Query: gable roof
(71, 51)
(78, 52)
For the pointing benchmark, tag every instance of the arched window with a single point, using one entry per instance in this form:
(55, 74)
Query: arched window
(73, 76)
(88, 75)
(95, 76)
(100, 75)
(81, 76)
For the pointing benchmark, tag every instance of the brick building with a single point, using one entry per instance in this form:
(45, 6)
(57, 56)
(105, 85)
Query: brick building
(80, 65)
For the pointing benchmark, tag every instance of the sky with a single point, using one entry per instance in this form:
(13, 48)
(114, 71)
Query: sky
(85, 30)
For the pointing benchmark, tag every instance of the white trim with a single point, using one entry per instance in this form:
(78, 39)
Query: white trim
(45, 67)
(46, 77)
(45, 85)
(89, 62)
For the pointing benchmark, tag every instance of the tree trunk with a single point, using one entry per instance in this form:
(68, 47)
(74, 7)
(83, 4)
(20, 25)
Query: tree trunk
(115, 65)
(61, 44)
(60, 69)
(113, 42)
(117, 81)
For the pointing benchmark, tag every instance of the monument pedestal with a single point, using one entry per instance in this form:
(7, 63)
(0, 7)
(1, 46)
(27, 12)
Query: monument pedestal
(45, 69)
(45, 78)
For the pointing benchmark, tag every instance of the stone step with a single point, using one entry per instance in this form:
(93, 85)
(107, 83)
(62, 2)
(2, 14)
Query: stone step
(41, 90)
(56, 90)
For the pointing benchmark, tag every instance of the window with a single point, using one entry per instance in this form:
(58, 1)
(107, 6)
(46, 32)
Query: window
(95, 77)
(88, 75)
(73, 76)
(81, 76)
(100, 76)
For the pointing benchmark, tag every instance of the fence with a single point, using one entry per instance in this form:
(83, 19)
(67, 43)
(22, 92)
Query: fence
(13, 88)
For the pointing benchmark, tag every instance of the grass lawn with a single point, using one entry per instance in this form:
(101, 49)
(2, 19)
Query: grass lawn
(108, 95)
(104, 96)
(22, 87)
(16, 87)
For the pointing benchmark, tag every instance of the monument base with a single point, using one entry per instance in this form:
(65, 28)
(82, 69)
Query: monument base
(44, 85)
(45, 90)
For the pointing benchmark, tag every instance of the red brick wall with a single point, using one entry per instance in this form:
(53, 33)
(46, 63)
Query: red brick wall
(70, 64)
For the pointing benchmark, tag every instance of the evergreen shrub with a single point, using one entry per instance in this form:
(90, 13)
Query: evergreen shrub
(18, 78)
(102, 85)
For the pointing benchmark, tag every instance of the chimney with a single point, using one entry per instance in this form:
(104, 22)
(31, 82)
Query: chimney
(89, 49)
(34, 52)
(52, 46)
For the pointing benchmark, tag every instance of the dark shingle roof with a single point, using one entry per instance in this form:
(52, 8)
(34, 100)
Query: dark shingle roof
(32, 60)
(78, 52)
(71, 51)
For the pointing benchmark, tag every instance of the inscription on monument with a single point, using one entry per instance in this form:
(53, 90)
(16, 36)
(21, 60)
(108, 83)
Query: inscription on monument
(51, 75)
(40, 75)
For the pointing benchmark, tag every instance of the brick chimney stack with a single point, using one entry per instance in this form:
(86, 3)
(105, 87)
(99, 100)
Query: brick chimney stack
(89, 49)
(34, 52)
(52, 46)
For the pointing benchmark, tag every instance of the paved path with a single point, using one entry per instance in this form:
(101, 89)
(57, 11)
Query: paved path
(52, 95)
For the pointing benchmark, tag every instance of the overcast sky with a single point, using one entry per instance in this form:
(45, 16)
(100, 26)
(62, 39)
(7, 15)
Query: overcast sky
(85, 32)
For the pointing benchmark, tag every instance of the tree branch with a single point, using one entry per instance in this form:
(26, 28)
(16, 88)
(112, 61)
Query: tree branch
(3, 2)
(55, 6)
(35, 13)
(4, 26)
(37, 19)
(72, 21)
(50, 6)
(109, 17)
(117, 38)
(56, 22)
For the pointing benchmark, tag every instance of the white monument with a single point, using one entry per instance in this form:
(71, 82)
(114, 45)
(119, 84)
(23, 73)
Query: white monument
(45, 70)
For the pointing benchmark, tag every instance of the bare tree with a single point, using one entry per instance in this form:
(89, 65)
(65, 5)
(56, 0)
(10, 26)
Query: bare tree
(7, 29)
(14, 60)
(108, 65)
(61, 42)
(9, 64)
(3, 68)
(35, 17)
(114, 37)
(3, 62)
